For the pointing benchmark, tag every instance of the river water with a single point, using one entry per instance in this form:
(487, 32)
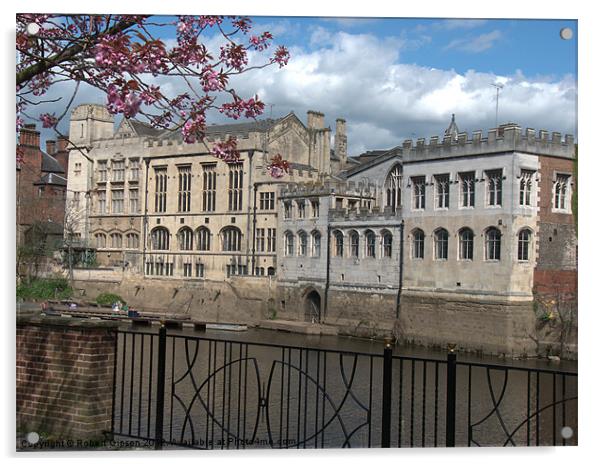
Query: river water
(267, 389)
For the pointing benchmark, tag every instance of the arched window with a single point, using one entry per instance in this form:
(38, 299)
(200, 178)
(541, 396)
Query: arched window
(231, 239)
(466, 239)
(316, 243)
(493, 243)
(393, 188)
(441, 243)
(132, 241)
(418, 244)
(101, 240)
(338, 243)
(354, 244)
(524, 239)
(203, 239)
(160, 239)
(370, 243)
(302, 243)
(116, 240)
(185, 239)
(271, 271)
(387, 239)
(289, 244)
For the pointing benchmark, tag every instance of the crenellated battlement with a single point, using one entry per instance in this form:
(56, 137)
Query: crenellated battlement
(328, 188)
(508, 137)
(364, 214)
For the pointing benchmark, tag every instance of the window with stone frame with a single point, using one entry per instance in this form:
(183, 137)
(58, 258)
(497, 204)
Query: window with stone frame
(184, 188)
(101, 240)
(441, 244)
(387, 242)
(466, 244)
(524, 242)
(370, 243)
(117, 201)
(467, 189)
(302, 243)
(493, 244)
(134, 165)
(235, 186)
(199, 269)
(160, 239)
(288, 209)
(118, 169)
(102, 170)
(338, 243)
(76, 198)
(315, 208)
(316, 243)
(301, 208)
(525, 187)
(209, 187)
(271, 245)
(494, 187)
(289, 244)
(418, 192)
(132, 241)
(116, 239)
(133, 201)
(393, 184)
(203, 239)
(442, 191)
(561, 192)
(260, 239)
(418, 244)
(266, 201)
(160, 189)
(187, 269)
(231, 239)
(354, 244)
(185, 239)
(78, 169)
(101, 199)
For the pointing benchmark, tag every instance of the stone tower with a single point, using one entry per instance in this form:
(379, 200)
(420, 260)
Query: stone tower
(340, 142)
(90, 122)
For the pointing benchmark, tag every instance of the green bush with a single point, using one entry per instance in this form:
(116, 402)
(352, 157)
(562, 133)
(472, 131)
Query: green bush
(107, 299)
(45, 288)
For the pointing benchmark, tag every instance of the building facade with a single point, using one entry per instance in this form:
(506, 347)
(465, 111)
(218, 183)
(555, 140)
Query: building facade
(460, 238)
(159, 207)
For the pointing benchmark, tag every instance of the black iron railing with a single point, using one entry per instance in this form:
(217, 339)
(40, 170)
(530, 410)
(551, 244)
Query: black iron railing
(202, 392)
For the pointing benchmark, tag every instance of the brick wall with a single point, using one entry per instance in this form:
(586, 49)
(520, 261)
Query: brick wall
(64, 376)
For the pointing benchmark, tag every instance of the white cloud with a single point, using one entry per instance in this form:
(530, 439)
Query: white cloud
(475, 44)
(363, 79)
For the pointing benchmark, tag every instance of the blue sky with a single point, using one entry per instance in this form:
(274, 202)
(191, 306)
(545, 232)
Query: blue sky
(488, 45)
(398, 78)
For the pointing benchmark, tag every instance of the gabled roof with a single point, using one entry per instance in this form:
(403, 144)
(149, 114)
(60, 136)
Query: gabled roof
(50, 164)
(233, 129)
(378, 157)
(51, 179)
(143, 129)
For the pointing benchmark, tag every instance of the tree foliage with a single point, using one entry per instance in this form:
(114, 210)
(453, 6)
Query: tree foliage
(123, 56)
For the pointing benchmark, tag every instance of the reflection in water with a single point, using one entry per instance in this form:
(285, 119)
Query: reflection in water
(263, 389)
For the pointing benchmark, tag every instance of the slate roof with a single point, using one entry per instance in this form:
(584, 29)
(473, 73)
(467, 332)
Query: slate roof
(51, 179)
(144, 129)
(50, 164)
(234, 129)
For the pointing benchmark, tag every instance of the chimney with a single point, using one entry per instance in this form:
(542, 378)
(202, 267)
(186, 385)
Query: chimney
(29, 136)
(340, 141)
(50, 146)
(315, 120)
(61, 144)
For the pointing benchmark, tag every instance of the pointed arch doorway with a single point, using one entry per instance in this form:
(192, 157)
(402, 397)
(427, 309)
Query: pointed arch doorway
(313, 307)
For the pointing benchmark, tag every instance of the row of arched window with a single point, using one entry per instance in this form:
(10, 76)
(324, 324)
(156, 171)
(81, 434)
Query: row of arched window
(197, 240)
(466, 244)
(303, 244)
(116, 240)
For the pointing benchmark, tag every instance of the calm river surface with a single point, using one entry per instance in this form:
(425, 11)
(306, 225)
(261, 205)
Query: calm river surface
(262, 389)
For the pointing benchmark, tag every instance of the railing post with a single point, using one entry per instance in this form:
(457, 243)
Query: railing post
(159, 402)
(450, 414)
(387, 382)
